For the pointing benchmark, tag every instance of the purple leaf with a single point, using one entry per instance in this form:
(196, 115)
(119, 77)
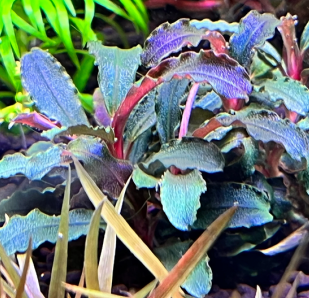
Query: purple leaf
(223, 73)
(100, 112)
(254, 30)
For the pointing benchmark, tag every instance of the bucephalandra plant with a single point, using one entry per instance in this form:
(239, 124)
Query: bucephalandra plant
(200, 131)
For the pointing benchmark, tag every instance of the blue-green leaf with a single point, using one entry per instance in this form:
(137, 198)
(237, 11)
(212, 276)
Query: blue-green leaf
(198, 283)
(14, 236)
(254, 30)
(189, 153)
(292, 93)
(180, 197)
(117, 69)
(33, 167)
(142, 179)
(211, 101)
(222, 26)
(167, 108)
(253, 205)
(51, 88)
(266, 126)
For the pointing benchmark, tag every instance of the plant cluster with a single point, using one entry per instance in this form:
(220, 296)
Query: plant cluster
(200, 131)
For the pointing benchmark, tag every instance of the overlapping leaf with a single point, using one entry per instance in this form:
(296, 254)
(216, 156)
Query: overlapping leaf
(267, 126)
(51, 88)
(189, 153)
(292, 93)
(222, 26)
(142, 179)
(253, 205)
(116, 66)
(254, 30)
(167, 108)
(180, 197)
(109, 173)
(211, 101)
(33, 167)
(169, 38)
(199, 281)
(223, 73)
(15, 235)
(142, 117)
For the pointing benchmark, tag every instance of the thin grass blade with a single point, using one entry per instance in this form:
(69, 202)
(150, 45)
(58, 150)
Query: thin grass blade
(7, 289)
(192, 257)
(51, 14)
(91, 247)
(8, 25)
(146, 290)
(21, 286)
(29, 11)
(14, 276)
(88, 292)
(107, 4)
(70, 7)
(82, 75)
(106, 264)
(89, 12)
(32, 282)
(59, 269)
(124, 232)
(81, 283)
(38, 16)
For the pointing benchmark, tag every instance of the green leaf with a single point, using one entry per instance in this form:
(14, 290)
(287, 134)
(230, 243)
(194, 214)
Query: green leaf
(266, 126)
(8, 60)
(254, 30)
(109, 173)
(304, 39)
(142, 117)
(82, 75)
(117, 69)
(253, 205)
(33, 167)
(292, 93)
(167, 108)
(107, 4)
(199, 281)
(15, 235)
(142, 179)
(51, 88)
(180, 197)
(189, 153)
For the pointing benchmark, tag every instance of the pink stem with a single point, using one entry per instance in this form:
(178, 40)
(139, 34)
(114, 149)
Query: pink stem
(187, 112)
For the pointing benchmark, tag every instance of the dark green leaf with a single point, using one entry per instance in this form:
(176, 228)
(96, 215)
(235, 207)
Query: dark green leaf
(51, 88)
(189, 153)
(254, 30)
(180, 197)
(167, 108)
(15, 235)
(253, 205)
(109, 173)
(117, 69)
(199, 281)
(142, 117)
(140, 147)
